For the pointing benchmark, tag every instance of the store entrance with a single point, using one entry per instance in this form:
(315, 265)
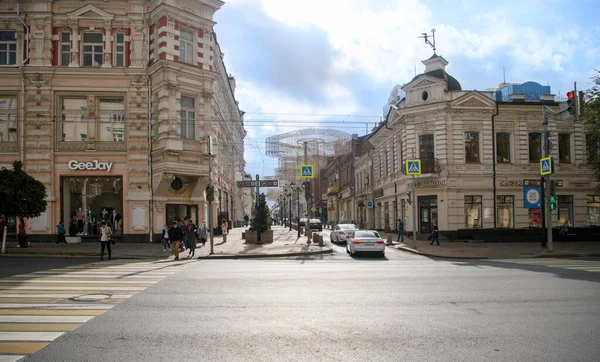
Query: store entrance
(428, 213)
(179, 212)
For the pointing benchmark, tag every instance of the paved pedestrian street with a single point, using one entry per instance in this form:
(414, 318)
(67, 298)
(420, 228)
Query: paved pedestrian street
(39, 307)
(572, 264)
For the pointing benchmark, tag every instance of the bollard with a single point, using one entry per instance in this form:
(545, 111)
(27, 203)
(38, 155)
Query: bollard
(320, 240)
(389, 239)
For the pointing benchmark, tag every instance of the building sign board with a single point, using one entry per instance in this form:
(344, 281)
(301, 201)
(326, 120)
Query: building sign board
(94, 165)
(532, 197)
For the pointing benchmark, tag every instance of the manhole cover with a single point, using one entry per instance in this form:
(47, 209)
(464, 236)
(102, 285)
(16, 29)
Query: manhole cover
(90, 297)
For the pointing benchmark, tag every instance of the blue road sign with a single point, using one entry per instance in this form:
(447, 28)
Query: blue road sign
(532, 197)
(369, 204)
(307, 171)
(413, 167)
(546, 166)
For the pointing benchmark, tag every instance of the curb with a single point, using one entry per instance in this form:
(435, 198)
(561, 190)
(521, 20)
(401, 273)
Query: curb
(57, 256)
(565, 255)
(257, 256)
(590, 255)
(410, 250)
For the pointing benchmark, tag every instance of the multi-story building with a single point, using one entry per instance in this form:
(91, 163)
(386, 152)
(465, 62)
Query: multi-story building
(110, 105)
(478, 149)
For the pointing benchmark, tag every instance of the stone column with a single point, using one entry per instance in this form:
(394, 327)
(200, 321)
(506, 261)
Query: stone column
(107, 61)
(74, 46)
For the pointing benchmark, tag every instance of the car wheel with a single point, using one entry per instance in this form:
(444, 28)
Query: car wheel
(331, 238)
(347, 251)
(382, 254)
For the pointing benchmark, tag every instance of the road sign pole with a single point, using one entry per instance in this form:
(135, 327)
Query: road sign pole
(414, 207)
(547, 153)
(210, 207)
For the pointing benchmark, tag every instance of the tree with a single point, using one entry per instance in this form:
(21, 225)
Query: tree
(262, 220)
(591, 113)
(21, 195)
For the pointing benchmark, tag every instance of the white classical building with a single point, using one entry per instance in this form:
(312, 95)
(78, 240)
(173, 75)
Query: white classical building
(478, 150)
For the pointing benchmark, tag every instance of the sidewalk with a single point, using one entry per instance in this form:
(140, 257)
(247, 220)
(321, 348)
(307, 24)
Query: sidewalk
(462, 250)
(285, 243)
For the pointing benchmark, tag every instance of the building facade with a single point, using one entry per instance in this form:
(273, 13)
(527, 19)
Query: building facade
(110, 105)
(478, 152)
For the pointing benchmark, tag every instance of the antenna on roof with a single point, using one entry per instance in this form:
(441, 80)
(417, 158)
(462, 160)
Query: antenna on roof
(504, 74)
(426, 37)
(415, 69)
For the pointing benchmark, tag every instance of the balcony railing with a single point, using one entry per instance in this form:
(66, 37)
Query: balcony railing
(428, 166)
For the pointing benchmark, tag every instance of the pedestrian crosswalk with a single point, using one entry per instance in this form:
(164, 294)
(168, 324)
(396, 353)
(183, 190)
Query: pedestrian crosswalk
(39, 307)
(573, 264)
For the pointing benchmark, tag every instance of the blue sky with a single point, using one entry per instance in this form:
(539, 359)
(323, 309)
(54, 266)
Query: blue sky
(303, 64)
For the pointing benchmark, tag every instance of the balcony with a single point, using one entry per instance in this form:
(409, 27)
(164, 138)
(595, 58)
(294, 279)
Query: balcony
(428, 166)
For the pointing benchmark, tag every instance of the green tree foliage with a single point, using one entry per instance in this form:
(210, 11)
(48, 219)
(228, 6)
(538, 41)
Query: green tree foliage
(591, 113)
(20, 194)
(262, 220)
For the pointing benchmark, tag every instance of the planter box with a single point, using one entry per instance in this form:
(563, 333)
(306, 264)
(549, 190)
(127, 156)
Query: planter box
(266, 237)
(243, 235)
(251, 237)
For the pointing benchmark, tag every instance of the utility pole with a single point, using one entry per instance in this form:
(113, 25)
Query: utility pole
(210, 199)
(414, 207)
(547, 153)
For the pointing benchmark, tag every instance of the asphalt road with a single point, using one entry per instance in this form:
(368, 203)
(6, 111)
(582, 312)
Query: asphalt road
(336, 308)
(10, 266)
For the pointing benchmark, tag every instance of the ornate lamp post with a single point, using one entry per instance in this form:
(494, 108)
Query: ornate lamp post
(289, 195)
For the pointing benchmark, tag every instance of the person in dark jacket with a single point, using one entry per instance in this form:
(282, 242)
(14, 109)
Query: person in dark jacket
(60, 231)
(175, 237)
(435, 234)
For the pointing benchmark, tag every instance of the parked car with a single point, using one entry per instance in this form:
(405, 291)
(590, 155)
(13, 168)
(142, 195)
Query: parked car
(315, 224)
(303, 221)
(342, 233)
(366, 241)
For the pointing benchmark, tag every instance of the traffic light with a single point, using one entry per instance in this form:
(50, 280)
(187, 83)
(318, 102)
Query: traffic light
(571, 106)
(580, 103)
(361, 204)
(210, 193)
(552, 202)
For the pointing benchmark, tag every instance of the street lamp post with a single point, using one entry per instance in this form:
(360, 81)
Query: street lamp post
(289, 196)
(298, 200)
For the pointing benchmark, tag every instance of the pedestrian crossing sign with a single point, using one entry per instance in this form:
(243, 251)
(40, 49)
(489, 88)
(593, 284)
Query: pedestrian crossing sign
(307, 171)
(413, 167)
(546, 166)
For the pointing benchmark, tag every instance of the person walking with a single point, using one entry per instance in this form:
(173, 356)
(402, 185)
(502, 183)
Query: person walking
(105, 239)
(191, 238)
(165, 238)
(175, 237)
(203, 233)
(435, 234)
(400, 230)
(224, 229)
(60, 231)
(22, 234)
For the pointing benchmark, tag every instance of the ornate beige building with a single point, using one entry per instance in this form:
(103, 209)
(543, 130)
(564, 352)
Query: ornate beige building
(110, 105)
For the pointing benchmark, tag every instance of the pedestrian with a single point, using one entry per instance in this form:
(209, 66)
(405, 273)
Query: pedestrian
(400, 230)
(203, 233)
(435, 234)
(191, 238)
(175, 237)
(2, 226)
(22, 234)
(105, 239)
(60, 231)
(224, 229)
(165, 238)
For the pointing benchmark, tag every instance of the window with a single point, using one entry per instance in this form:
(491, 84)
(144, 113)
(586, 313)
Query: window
(112, 116)
(186, 46)
(503, 148)
(593, 210)
(564, 148)
(471, 147)
(473, 212)
(565, 210)
(92, 49)
(426, 147)
(8, 118)
(505, 214)
(535, 147)
(65, 48)
(75, 126)
(120, 50)
(395, 154)
(535, 217)
(188, 118)
(8, 48)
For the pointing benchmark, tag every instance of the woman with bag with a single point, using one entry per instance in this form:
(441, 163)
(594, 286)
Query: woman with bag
(191, 238)
(105, 240)
(224, 229)
(203, 233)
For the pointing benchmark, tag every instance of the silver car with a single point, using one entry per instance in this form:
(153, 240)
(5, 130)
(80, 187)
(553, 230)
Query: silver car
(366, 241)
(342, 233)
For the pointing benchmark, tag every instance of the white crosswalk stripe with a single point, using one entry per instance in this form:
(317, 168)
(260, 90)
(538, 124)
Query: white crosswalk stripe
(38, 307)
(572, 264)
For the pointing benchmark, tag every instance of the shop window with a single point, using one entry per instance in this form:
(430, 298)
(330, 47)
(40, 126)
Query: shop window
(188, 118)
(564, 148)
(186, 46)
(8, 118)
(8, 48)
(65, 48)
(88, 201)
(535, 147)
(472, 147)
(473, 212)
(502, 147)
(565, 210)
(119, 50)
(426, 147)
(76, 127)
(112, 119)
(92, 49)
(593, 210)
(505, 213)
(535, 218)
